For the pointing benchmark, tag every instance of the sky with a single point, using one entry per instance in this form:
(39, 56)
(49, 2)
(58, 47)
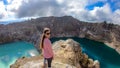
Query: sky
(84, 10)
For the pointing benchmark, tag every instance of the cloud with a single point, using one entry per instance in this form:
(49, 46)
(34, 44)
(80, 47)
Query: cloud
(101, 13)
(39, 8)
(116, 17)
(75, 8)
(0, 16)
(8, 10)
(49, 7)
(2, 10)
(66, 7)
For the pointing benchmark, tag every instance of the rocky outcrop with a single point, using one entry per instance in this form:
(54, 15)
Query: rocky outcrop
(65, 26)
(67, 54)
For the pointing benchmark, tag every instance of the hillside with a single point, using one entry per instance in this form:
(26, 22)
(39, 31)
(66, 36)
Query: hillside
(65, 26)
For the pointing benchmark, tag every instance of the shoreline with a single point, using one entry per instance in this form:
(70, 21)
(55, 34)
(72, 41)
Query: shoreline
(111, 45)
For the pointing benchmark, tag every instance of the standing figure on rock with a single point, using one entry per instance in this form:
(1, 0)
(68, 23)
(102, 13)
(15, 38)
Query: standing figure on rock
(46, 47)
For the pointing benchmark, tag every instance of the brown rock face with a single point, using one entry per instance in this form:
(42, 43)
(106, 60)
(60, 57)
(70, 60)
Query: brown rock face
(65, 26)
(68, 54)
(71, 53)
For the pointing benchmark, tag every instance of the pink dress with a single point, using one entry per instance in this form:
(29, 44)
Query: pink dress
(47, 48)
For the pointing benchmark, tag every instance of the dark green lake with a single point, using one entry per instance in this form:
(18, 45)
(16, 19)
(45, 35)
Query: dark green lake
(107, 56)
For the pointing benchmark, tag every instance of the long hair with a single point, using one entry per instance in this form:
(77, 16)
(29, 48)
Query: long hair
(43, 37)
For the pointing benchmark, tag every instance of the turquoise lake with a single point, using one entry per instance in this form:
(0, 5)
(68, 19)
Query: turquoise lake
(10, 52)
(107, 56)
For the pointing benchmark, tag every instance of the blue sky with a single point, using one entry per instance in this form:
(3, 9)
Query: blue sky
(98, 4)
(84, 10)
(112, 4)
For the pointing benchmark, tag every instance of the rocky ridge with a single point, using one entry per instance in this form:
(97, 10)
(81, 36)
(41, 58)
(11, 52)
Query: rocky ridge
(68, 54)
(65, 26)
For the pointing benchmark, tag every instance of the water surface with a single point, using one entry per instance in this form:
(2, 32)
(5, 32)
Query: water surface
(10, 52)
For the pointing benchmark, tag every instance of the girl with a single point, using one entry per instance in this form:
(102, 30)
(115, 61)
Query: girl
(46, 47)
